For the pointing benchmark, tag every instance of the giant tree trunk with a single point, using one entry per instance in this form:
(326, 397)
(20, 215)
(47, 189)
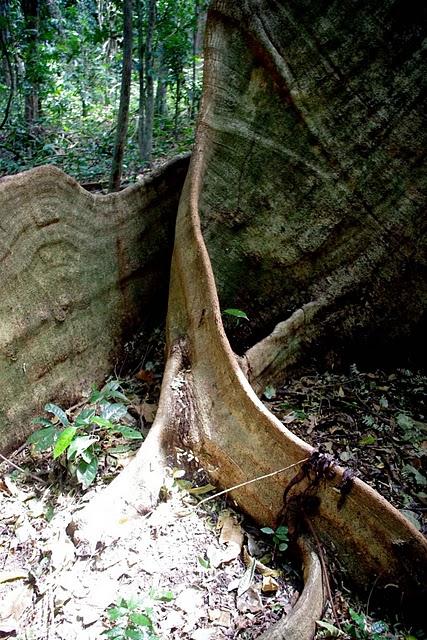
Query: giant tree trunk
(302, 206)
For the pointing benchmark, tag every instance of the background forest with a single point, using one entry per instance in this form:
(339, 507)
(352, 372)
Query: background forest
(83, 81)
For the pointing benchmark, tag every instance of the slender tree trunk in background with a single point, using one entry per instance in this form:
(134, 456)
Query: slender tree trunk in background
(193, 67)
(8, 71)
(31, 13)
(123, 115)
(9, 77)
(177, 101)
(160, 101)
(141, 77)
(147, 142)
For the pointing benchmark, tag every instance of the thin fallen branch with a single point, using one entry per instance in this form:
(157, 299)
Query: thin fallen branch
(33, 476)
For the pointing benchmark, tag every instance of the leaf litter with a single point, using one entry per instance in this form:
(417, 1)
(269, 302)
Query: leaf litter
(375, 424)
(222, 576)
(216, 568)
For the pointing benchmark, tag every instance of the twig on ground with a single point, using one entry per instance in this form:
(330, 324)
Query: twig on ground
(24, 471)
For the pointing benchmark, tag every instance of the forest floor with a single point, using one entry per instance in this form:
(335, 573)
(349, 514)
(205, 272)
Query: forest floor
(201, 571)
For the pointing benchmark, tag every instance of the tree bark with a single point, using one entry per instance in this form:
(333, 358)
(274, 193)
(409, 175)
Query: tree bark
(123, 115)
(79, 273)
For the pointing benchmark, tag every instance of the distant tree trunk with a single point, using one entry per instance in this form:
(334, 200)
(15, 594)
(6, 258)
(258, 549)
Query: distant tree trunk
(8, 70)
(147, 142)
(177, 102)
(123, 115)
(31, 14)
(193, 66)
(141, 77)
(160, 102)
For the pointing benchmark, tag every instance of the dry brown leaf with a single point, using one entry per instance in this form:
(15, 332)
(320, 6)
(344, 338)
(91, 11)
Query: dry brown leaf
(145, 376)
(231, 532)
(249, 601)
(220, 618)
(146, 410)
(269, 585)
(13, 606)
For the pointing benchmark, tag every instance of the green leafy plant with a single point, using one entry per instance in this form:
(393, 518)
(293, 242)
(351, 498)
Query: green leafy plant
(238, 314)
(279, 536)
(77, 444)
(360, 629)
(133, 619)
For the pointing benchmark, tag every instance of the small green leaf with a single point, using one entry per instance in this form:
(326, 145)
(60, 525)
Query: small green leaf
(128, 432)
(102, 422)
(236, 313)
(111, 390)
(49, 513)
(408, 469)
(383, 402)
(333, 632)
(404, 421)
(163, 596)
(269, 392)
(268, 530)
(203, 562)
(140, 619)
(134, 634)
(43, 438)
(86, 472)
(113, 411)
(370, 438)
(64, 440)
(116, 633)
(58, 412)
(281, 533)
(283, 546)
(44, 421)
(84, 419)
(78, 445)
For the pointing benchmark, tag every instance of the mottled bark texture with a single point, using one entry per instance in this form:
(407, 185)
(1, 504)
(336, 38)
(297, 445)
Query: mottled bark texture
(302, 205)
(314, 189)
(78, 273)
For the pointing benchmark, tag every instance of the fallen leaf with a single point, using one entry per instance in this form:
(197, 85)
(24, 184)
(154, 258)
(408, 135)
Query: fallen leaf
(247, 578)
(13, 606)
(269, 585)
(146, 410)
(249, 601)
(145, 376)
(220, 618)
(231, 530)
